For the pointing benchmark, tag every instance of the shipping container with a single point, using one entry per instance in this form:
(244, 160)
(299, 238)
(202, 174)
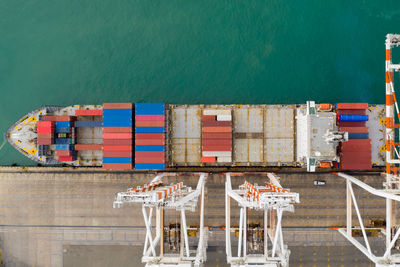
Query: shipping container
(346, 117)
(117, 153)
(351, 105)
(117, 160)
(150, 117)
(208, 118)
(117, 118)
(117, 112)
(151, 166)
(149, 129)
(216, 148)
(117, 148)
(117, 123)
(117, 166)
(216, 123)
(150, 108)
(216, 129)
(149, 135)
(149, 148)
(150, 154)
(117, 129)
(358, 136)
(66, 158)
(63, 141)
(217, 112)
(216, 136)
(44, 141)
(88, 147)
(224, 159)
(88, 112)
(208, 159)
(216, 153)
(123, 142)
(63, 130)
(45, 124)
(88, 124)
(224, 117)
(351, 111)
(151, 142)
(63, 152)
(43, 129)
(150, 123)
(63, 124)
(149, 160)
(117, 105)
(117, 135)
(351, 123)
(59, 118)
(45, 135)
(216, 142)
(354, 129)
(63, 147)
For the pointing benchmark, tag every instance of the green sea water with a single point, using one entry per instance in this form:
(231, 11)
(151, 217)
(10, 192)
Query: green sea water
(64, 52)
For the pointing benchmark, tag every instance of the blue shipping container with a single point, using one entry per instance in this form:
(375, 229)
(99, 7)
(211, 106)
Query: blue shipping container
(149, 148)
(150, 109)
(88, 124)
(117, 160)
(150, 129)
(63, 129)
(117, 123)
(63, 141)
(63, 124)
(117, 118)
(116, 112)
(63, 147)
(345, 117)
(146, 166)
(358, 136)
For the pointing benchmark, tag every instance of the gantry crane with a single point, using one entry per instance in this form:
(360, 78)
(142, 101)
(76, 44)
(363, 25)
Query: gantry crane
(157, 196)
(391, 186)
(272, 200)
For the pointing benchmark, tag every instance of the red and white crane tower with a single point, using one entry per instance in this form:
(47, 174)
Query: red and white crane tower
(391, 186)
(179, 197)
(272, 200)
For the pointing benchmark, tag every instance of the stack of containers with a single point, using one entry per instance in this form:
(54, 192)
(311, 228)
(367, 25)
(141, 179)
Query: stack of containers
(45, 132)
(117, 136)
(355, 153)
(216, 136)
(65, 152)
(65, 138)
(150, 136)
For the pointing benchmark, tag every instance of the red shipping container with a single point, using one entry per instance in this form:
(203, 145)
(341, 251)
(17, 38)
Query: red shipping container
(149, 136)
(117, 166)
(63, 152)
(216, 142)
(66, 158)
(150, 123)
(117, 148)
(122, 142)
(208, 118)
(360, 148)
(352, 124)
(358, 141)
(122, 154)
(88, 112)
(45, 135)
(117, 105)
(351, 105)
(150, 118)
(117, 135)
(355, 166)
(149, 160)
(88, 147)
(149, 142)
(45, 124)
(117, 129)
(216, 129)
(216, 148)
(208, 159)
(356, 156)
(354, 129)
(217, 136)
(216, 123)
(42, 129)
(44, 141)
(351, 111)
(149, 154)
(59, 118)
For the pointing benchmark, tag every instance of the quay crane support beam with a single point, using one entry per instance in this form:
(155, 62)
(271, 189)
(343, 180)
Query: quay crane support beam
(272, 200)
(156, 196)
(387, 260)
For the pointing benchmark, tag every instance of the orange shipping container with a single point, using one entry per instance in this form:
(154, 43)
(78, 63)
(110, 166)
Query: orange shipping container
(117, 148)
(150, 123)
(117, 166)
(149, 136)
(216, 129)
(149, 154)
(208, 159)
(149, 142)
(88, 112)
(121, 142)
(216, 142)
(117, 129)
(123, 154)
(149, 160)
(117, 105)
(217, 136)
(216, 148)
(117, 135)
(208, 118)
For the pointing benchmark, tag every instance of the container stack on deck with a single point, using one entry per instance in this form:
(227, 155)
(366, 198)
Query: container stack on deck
(117, 136)
(216, 136)
(150, 135)
(88, 113)
(356, 152)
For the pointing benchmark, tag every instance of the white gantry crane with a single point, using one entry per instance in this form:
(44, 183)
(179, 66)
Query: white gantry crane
(156, 196)
(272, 200)
(391, 186)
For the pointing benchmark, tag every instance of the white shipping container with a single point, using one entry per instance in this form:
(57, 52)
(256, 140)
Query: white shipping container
(224, 117)
(217, 112)
(217, 153)
(224, 159)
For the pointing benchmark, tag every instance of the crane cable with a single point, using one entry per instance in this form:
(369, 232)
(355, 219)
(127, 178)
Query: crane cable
(4, 142)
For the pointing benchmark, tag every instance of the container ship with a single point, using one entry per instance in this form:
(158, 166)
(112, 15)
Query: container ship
(158, 136)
